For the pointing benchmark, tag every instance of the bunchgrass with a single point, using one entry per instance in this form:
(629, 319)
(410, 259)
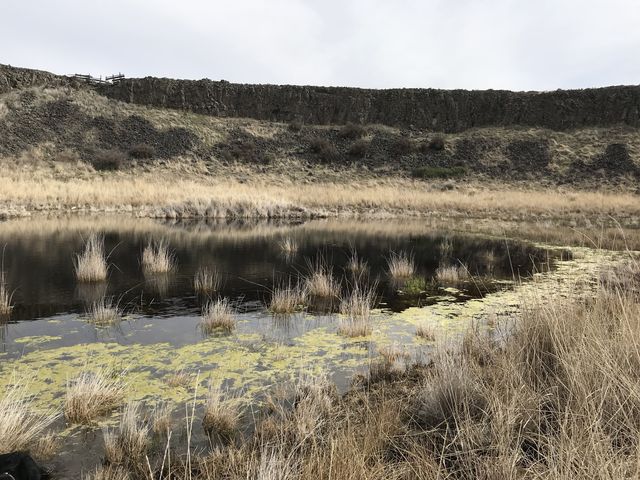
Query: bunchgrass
(179, 379)
(452, 273)
(5, 297)
(287, 298)
(320, 283)
(355, 309)
(356, 266)
(91, 264)
(207, 281)
(104, 313)
(157, 258)
(221, 415)
(22, 425)
(91, 395)
(127, 446)
(218, 315)
(289, 246)
(401, 266)
(425, 331)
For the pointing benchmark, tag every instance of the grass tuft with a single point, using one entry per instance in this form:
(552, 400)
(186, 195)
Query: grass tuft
(91, 264)
(221, 416)
(401, 266)
(5, 297)
(287, 298)
(104, 313)
(218, 315)
(207, 281)
(355, 308)
(127, 446)
(320, 283)
(156, 258)
(425, 331)
(92, 395)
(452, 273)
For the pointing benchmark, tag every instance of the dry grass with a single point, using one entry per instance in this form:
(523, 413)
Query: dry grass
(108, 472)
(22, 426)
(179, 379)
(5, 297)
(356, 266)
(128, 445)
(161, 418)
(425, 331)
(401, 266)
(207, 281)
(289, 246)
(91, 264)
(287, 298)
(104, 313)
(355, 308)
(156, 258)
(221, 416)
(452, 273)
(320, 282)
(218, 315)
(92, 395)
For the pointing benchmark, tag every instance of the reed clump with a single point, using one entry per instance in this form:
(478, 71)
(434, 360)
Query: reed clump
(355, 308)
(401, 266)
(5, 297)
(452, 273)
(320, 282)
(221, 415)
(127, 446)
(357, 266)
(104, 313)
(289, 246)
(92, 395)
(287, 298)
(425, 331)
(207, 281)
(91, 264)
(218, 315)
(157, 258)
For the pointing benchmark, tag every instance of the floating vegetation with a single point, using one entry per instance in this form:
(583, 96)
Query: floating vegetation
(157, 258)
(92, 395)
(401, 265)
(104, 313)
(218, 315)
(207, 281)
(91, 264)
(452, 273)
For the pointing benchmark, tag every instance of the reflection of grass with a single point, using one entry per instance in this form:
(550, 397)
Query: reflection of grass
(91, 395)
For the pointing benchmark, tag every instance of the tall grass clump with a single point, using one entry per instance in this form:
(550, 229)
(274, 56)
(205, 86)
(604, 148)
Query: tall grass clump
(218, 315)
(207, 281)
(92, 395)
(104, 312)
(157, 258)
(452, 273)
(22, 426)
(127, 446)
(5, 297)
(91, 264)
(221, 416)
(401, 266)
(356, 266)
(289, 246)
(287, 298)
(355, 308)
(319, 282)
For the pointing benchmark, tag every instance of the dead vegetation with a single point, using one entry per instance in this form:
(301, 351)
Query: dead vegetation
(91, 395)
(91, 264)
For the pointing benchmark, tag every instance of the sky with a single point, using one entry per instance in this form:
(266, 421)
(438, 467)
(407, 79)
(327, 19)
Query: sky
(471, 44)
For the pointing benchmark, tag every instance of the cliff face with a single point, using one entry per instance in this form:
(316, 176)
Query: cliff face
(442, 110)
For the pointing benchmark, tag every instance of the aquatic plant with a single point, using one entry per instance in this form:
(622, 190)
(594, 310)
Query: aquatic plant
(157, 258)
(22, 426)
(91, 264)
(207, 281)
(355, 308)
(452, 273)
(5, 297)
(319, 282)
(287, 298)
(356, 266)
(401, 265)
(221, 415)
(216, 315)
(425, 330)
(161, 418)
(128, 445)
(288, 246)
(104, 312)
(92, 394)
(414, 286)
(179, 378)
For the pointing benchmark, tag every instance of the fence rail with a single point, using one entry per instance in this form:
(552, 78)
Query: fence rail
(98, 80)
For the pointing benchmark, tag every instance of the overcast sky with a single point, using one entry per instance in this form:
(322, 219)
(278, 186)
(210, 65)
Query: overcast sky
(475, 44)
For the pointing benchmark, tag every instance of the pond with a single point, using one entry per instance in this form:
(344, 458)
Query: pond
(49, 339)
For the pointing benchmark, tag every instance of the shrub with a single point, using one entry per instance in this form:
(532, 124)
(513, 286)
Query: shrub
(438, 172)
(359, 148)
(325, 149)
(295, 126)
(352, 130)
(403, 146)
(436, 143)
(242, 150)
(142, 151)
(108, 160)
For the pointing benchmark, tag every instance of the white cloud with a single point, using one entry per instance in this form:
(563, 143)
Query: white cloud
(515, 44)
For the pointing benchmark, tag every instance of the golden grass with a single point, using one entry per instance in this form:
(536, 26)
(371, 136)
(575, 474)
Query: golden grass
(425, 331)
(156, 258)
(5, 297)
(104, 312)
(452, 273)
(207, 281)
(355, 308)
(320, 282)
(401, 266)
(161, 418)
(218, 315)
(287, 298)
(221, 415)
(108, 472)
(91, 264)
(127, 446)
(92, 395)
(289, 246)
(179, 378)
(356, 266)
(22, 427)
